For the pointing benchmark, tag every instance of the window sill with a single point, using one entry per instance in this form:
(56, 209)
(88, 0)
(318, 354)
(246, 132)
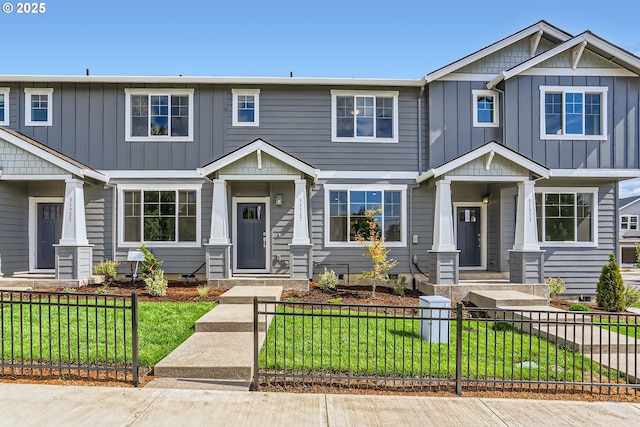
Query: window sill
(159, 139)
(573, 138)
(42, 124)
(373, 140)
(568, 244)
(159, 244)
(247, 124)
(358, 245)
(486, 125)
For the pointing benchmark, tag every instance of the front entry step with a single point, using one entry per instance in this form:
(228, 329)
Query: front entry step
(505, 299)
(245, 294)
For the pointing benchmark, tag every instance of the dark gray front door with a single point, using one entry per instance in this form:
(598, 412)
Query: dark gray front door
(49, 231)
(251, 238)
(469, 236)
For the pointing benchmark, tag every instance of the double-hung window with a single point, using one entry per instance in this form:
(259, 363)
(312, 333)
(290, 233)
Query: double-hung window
(38, 105)
(4, 106)
(345, 213)
(159, 215)
(567, 216)
(485, 108)
(246, 104)
(629, 222)
(159, 115)
(364, 116)
(568, 112)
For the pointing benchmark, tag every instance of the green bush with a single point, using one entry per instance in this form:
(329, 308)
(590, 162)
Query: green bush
(610, 291)
(399, 285)
(578, 307)
(556, 286)
(328, 279)
(631, 296)
(150, 264)
(108, 269)
(203, 290)
(156, 285)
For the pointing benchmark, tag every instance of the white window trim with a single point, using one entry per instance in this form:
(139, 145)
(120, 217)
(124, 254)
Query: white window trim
(197, 187)
(594, 220)
(477, 93)
(574, 89)
(127, 121)
(629, 222)
(334, 118)
(28, 92)
(365, 187)
(256, 117)
(5, 91)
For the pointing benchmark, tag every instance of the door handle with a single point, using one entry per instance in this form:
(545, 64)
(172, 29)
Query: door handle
(264, 239)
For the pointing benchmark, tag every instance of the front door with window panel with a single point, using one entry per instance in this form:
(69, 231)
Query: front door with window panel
(469, 237)
(49, 226)
(251, 236)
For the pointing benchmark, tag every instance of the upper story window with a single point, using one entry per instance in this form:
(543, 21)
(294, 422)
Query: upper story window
(4, 106)
(485, 108)
(629, 222)
(568, 112)
(159, 216)
(245, 107)
(346, 206)
(567, 216)
(364, 116)
(38, 105)
(159, 114)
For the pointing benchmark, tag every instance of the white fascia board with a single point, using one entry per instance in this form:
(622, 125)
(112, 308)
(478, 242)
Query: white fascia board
(425, 176)
(609, 72)
(152, 174)
(596, 173)
(51, 158)
(629, 204)
(438, 74)
(214, 80)
(333, 174)
(5, 177)
(613, 50)
(253, 147)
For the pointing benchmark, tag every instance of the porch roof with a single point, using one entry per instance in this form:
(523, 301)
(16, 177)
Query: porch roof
(258, 147)
(489, 149)
(50, 155)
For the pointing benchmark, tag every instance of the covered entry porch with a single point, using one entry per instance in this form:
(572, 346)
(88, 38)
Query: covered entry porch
(485, 218)
(259, 215)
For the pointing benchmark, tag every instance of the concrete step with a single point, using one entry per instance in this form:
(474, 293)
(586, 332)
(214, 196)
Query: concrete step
(505, 299)
(232, 318)
(245, 294)
(211, 355)
(199, 384)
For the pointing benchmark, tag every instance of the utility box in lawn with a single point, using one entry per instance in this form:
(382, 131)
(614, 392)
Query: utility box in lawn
(435, 312)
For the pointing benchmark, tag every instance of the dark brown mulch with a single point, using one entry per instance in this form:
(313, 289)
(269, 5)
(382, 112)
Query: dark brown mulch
(355, 295)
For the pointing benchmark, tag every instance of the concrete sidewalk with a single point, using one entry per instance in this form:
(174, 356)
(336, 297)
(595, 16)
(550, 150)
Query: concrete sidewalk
(47, 405)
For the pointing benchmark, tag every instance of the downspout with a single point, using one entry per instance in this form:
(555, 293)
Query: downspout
(503, 112)
(413, 187)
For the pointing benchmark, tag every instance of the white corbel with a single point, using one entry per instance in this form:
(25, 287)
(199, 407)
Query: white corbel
(576, 54)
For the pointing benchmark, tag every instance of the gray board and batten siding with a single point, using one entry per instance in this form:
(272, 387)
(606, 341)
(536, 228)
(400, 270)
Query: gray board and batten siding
(89, 126)
(14, 228)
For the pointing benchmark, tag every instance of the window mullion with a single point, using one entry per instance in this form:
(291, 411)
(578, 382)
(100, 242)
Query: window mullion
(575, 217)
(349, 212)
(169, 115)
(176, 216)
(375, 116)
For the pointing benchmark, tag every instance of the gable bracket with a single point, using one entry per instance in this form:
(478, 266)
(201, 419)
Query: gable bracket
(487, 163)
(576, 54)
(259, 155)
(535, 41)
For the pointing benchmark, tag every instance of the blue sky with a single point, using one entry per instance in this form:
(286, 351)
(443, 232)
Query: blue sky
(271, 38)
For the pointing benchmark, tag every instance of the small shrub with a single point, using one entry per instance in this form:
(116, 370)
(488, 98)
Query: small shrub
(203, 290)
(108, 269)
(328, 279)
(150, 264)
(610, 291)
(157, 284)
(70, 290)
(631, 296)
(556, 286)
(578, 307)
(335, 301)
(399, 285)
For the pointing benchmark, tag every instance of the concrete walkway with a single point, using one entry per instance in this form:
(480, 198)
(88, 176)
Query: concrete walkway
(48, 405)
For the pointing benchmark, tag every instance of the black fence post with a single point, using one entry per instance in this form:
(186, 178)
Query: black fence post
(459, 349)
(134, 338)
(254, 387)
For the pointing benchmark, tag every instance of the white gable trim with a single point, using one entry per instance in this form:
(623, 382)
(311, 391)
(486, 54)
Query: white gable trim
(629, 204)
(52, 158)
(259, 146)
(481, 151)
(527, 32)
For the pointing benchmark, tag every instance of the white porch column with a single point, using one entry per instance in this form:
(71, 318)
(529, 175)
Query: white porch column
(443, 219)
(300, 214)
(526, 238)
(219, 214)
(74, 225)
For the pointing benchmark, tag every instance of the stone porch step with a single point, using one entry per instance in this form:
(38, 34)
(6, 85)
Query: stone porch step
(505, 299)
(245, 294)
(231, 318)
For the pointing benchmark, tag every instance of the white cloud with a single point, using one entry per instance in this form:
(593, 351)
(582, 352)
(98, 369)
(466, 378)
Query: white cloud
(630, 188)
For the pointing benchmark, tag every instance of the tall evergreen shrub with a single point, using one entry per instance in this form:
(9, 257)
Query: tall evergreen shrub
(610, 291)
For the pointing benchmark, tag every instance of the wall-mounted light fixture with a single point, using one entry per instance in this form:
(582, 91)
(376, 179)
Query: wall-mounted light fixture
(278, 199)
(485, 198)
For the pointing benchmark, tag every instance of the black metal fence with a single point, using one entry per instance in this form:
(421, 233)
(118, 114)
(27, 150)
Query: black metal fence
(69, 335)
(444, 349)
